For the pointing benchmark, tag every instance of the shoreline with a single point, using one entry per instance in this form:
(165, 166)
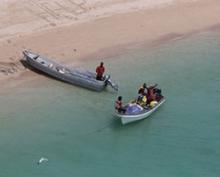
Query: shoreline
(109, 36)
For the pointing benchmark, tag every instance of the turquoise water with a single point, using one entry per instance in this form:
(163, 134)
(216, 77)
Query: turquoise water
(76, 130)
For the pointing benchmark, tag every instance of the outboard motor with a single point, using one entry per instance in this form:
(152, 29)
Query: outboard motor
(111, 83)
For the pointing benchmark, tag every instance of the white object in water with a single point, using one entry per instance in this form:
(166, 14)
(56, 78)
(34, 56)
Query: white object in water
(42, 159)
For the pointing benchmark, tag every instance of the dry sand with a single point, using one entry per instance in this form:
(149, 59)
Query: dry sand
(74, 31)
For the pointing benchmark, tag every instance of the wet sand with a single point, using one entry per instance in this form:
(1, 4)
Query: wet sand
(76, 31)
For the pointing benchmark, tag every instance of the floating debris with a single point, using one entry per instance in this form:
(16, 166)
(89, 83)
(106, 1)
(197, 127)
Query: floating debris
(42, 159)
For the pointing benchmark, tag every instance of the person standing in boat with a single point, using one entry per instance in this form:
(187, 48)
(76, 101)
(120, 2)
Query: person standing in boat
(143, 90)
(100, 71)
(142, 93)
(119, 105)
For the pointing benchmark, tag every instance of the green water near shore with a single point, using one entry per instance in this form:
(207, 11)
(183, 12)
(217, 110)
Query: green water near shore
(76, 130)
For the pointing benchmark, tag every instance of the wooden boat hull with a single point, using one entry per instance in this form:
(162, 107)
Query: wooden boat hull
(73, 76)
(127, 118)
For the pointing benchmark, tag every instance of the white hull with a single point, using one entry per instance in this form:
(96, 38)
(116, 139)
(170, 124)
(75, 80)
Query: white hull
(125, 119)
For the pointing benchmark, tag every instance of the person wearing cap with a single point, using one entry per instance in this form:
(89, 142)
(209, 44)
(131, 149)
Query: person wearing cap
(100, 71)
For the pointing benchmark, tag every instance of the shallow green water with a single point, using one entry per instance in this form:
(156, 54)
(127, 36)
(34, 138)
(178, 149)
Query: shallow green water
(76, 130)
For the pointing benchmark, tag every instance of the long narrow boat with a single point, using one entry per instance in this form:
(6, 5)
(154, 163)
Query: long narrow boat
(138, 112)
(83, 78)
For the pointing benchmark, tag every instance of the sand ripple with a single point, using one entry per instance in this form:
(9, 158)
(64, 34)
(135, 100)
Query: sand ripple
(9, 68)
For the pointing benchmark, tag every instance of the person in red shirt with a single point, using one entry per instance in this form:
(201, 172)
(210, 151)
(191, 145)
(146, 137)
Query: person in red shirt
(100, 71)
(119, 105)
(151, 93)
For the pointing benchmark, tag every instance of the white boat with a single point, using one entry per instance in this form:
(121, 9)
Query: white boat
(83, 78)
(139, 113)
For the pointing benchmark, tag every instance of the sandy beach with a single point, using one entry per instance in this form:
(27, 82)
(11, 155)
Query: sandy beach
(74, 31)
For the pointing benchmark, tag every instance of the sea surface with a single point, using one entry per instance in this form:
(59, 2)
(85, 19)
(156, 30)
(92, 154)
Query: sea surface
(75, 129)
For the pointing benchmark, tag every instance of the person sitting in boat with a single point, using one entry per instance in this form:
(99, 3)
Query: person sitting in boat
(100, 71)
(158, 94)
(149, 92)
(151, 96)
(142, 100)
(119, 105)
